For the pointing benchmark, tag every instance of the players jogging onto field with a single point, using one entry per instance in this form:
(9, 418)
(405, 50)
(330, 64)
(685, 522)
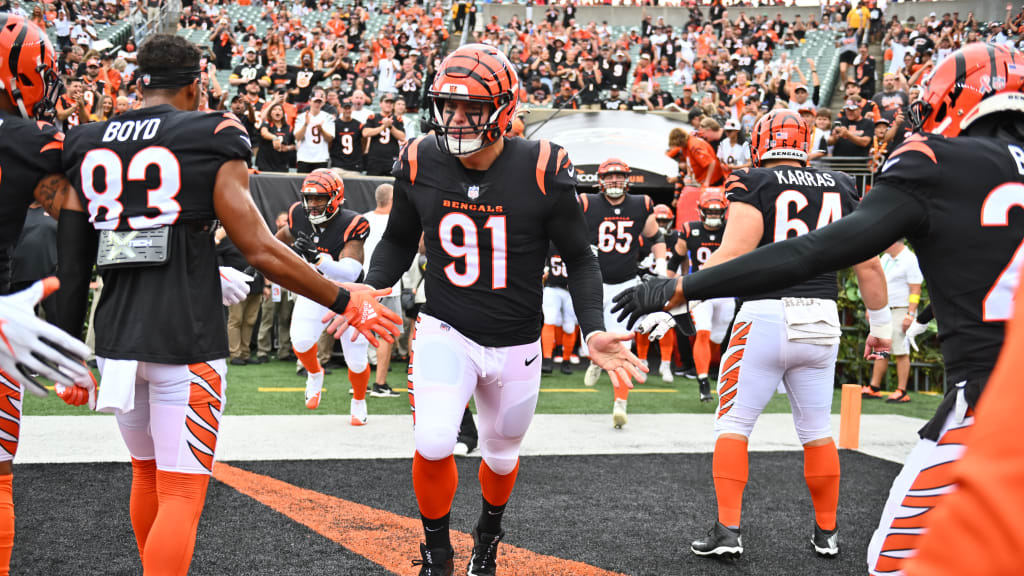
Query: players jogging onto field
(488, 207)
(956, 192)
(150, 186)
(651, 265)
(331, 239)
(559, 317)
(618, 223)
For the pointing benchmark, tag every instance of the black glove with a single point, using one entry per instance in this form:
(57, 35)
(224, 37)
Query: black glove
(649, 296)
(305, 247)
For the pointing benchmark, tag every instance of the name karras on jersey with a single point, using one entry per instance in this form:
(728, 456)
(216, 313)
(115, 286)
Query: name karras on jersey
(805, 178)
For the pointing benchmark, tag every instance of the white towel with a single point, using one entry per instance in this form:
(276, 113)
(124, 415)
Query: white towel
(812, 321)
(117, 386)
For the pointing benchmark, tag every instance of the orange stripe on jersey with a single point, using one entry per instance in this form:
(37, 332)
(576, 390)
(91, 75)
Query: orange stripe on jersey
(55, 145)
(542, 165)
(230, 123)
(585, 201)
(291, 211)
(352, 226)
(562, 160)
(205, 399)
(204, 459)
(730, 372)
(915, 143)
(207, 438)
(413, 165)
(938, 476)
(648, 203)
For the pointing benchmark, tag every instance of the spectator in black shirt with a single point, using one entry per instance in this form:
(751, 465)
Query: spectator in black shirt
(565, 98)
(614, 100)
(864, 72)
(852, 134)
(277, 143)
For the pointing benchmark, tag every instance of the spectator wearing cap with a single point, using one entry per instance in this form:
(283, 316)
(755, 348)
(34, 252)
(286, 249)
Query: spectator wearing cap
(337, 83)
(891, 99)
(383, 133)
(83, 34)
(686, 101)
(880, 141)
(699, 155)
(644, 69)
(590, 82)
(868, 108)
(614, 101)
(566, 98)
(733, 151)
(347, 146)
(314, 131)
(660, 97)
(249, 69)
(252, 93)
(618, 71)
(852, 135)
(307, 77)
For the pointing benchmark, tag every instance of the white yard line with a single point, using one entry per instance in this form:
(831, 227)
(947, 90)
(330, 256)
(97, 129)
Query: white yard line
(69, 439)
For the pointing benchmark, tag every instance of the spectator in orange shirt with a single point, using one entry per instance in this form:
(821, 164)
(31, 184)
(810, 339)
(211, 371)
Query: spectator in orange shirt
(704, 164)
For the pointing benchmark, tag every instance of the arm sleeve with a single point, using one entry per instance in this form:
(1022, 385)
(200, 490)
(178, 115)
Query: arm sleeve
(926, 314)
(396, 249)
(885, 215)
(77, 243)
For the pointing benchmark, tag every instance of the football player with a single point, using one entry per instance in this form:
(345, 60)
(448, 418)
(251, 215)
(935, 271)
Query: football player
(649, 265)
(161, 338)
(331, 239)
(488, 208)
(790, 333)
(696, 243)
(558, 315)
(617, 222)
(955, 190)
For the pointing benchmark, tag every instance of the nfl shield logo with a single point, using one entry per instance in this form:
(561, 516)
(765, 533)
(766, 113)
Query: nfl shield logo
(473, 192)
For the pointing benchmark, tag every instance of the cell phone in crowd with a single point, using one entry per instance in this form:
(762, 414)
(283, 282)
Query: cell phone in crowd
(837, 124)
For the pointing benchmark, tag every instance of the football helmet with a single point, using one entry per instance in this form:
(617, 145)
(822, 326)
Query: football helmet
(977, 80)
(779, 135)
(323, 191)
(663, 214)
(711, 207)
(474, 73)
(28, 67)
(613, 187)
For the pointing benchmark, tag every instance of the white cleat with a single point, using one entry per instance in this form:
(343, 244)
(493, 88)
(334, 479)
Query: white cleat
(314, 389)
(666, 372)
(619, 417)
(592, 375)
(357, 409)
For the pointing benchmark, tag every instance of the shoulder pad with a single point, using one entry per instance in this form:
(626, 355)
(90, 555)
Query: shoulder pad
(915, 158)
(407, 165)
(553, 167)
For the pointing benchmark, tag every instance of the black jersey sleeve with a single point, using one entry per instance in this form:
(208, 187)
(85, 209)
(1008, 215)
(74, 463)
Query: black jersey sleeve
(885, 215)
(567, 228)
(357, 230)
(42, 147)
(912, 167)
(396, 249)
(230, 139)
(738, 188)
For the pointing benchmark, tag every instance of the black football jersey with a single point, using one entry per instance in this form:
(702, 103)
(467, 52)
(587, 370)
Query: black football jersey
(558, 275)
(382, 149)
(700, 242)
(617, 232)
(793, 201)
(970, 247)
(347, 146)
(486, 233)
(29, 150)
(332, 236)
(150, 168)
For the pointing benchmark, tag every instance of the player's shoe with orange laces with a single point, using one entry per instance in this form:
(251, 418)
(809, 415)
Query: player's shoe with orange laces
(898, 397)
(314, 389)
(484, 561)
(357, 409)
(869, 393)
(435, 561)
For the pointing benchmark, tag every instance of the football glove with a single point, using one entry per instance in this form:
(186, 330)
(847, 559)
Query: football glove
(656, 325)
(915, 330)
(29, 346)
(650, 296)
(366, 314)
(234, 285)
(83, 392)
(305, 247)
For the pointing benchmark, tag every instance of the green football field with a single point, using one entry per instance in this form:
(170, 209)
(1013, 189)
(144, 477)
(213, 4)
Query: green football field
(274, 388)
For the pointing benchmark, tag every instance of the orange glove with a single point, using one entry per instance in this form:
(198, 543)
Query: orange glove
(366, 314)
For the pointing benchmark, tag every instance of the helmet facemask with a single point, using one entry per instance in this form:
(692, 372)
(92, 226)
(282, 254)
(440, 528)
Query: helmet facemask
(614, 184)
(713, 215)
(480, 131)
(319, 207)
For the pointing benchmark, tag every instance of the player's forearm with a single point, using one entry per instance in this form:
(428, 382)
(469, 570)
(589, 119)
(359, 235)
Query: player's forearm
(77, 243)
(586, 290)
(883, 217)
(871, 280)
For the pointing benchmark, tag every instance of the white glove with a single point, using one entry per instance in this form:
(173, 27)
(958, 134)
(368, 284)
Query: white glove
(234, 285)
(915, 330)
(28, 345)
(656, 325)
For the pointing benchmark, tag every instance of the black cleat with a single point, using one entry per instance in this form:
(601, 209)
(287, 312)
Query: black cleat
(383, 391)
(826, 542)
(705, 390)
(484, 561)
(436, 561)
(566, 368)
(547, 366)
(720, 541)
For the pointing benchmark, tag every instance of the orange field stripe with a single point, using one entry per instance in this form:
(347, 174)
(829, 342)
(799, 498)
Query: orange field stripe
(384, 538)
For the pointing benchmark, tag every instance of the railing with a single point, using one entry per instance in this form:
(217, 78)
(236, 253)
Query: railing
(859, 167)
(165, 21)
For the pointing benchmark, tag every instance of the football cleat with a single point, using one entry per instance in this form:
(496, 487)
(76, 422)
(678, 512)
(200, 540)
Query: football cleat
(557, 359)
(435, 561)
(314, 389)
(705, 390)
(357, 409)
(547, 366)
(574, 359)
(619, 416)
(721, 541)
(383, 391)
(484, 561)
(566, 368)
(666, 372)
(592, 375)
(826, 542)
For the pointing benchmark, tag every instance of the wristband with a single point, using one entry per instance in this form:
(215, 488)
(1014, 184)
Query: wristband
(341, 302)
(914, 298)
(881, 323)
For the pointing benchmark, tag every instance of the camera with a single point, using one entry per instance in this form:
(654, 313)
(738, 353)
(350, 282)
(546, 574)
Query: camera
(837, 124)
